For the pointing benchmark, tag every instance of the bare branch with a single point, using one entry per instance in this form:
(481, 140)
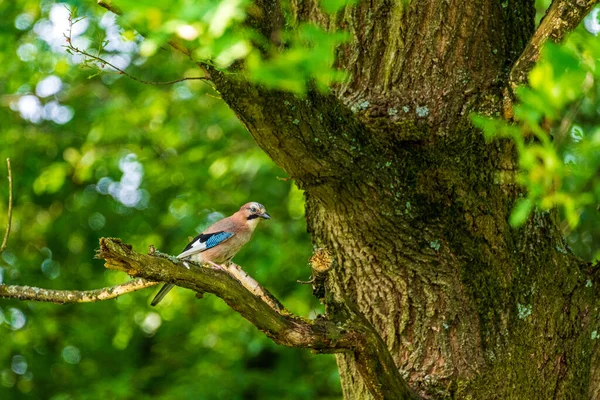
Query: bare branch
(73, 296)
(103, 62)
(10, 204)
(351, 334)
(122, 72)
(561, 18)
(253, 286)
(276, 322)
(234, 270)
(177, 46)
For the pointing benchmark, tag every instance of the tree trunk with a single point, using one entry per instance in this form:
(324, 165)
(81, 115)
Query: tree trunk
(413, 204)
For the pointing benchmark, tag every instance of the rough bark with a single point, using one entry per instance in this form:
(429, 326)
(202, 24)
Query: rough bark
(413, 205)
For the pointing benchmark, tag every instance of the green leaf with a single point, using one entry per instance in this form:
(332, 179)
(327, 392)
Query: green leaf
(521, 212)
(51, 179)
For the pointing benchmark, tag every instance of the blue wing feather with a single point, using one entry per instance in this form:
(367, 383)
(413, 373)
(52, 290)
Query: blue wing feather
(204, 241)
(217, 238)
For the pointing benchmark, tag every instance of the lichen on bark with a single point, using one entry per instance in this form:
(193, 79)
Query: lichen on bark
(412, 204)
(406, 195)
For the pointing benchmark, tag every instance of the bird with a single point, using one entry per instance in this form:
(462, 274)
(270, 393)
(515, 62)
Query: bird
(220, 241)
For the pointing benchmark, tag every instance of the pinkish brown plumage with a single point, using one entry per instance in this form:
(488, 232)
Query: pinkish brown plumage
(222, 240)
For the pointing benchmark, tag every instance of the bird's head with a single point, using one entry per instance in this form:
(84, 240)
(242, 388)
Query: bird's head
(254, 212)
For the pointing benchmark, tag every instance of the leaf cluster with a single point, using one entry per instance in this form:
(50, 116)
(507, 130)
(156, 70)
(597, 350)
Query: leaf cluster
(557, 134)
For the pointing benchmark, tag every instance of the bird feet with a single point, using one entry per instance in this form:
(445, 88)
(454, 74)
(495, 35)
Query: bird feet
(216, 266)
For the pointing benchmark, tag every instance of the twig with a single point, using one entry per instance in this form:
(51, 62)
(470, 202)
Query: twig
(73, 296)
(97, 58)
(122, 72)
(109, 6)
(10, 204)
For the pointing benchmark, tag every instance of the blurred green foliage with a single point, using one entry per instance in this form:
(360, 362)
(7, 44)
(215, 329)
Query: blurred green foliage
(96, 154)
(309, 57)
(108, 156)
(557, 134)
(212, 31)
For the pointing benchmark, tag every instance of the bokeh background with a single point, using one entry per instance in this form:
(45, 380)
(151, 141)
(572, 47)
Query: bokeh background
(107, 156)
(97, 154)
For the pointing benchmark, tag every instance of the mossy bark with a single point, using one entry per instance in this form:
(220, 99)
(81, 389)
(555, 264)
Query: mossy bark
(413, 204)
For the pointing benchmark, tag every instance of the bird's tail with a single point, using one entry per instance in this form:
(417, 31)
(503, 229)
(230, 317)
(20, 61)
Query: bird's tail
(162, 293)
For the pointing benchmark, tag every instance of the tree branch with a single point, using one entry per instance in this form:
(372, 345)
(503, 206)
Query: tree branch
(278, 323)
(300, 140)
(72, 49)
(561, 18)
(303, 128)
(72, 296)
(352, 334)
(10, 203)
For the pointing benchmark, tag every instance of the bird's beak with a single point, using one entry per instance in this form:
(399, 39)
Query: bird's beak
(265, 216)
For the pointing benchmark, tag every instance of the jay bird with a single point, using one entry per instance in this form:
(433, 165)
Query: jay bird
(221, 241)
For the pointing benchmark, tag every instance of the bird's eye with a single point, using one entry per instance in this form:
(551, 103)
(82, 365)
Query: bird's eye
(252, 209)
